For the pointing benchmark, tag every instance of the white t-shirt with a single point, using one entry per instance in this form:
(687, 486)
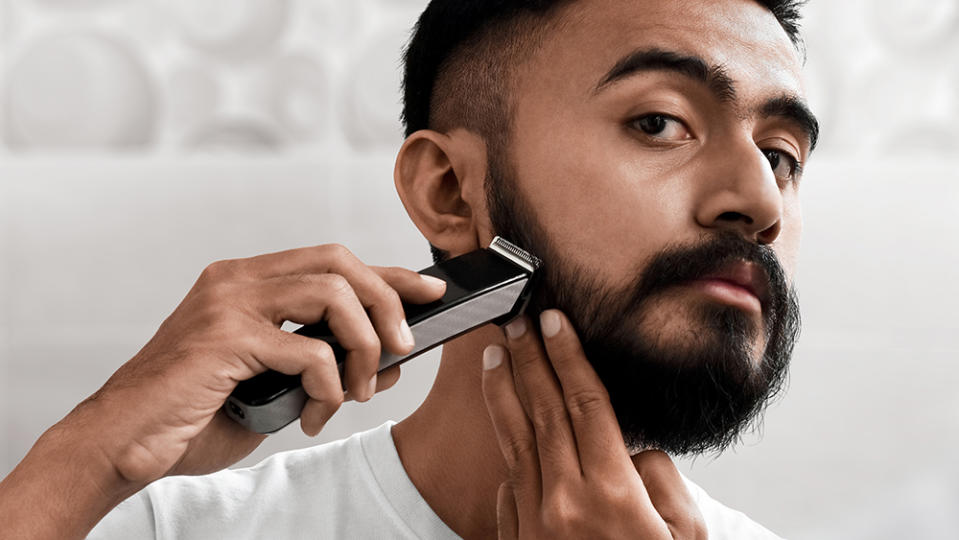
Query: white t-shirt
(355, 488)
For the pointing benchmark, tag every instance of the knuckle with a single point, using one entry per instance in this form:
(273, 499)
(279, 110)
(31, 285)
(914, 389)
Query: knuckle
(323, 353)
(548, 419)
(217, 293)
(524, 357)
(337, 284)
(564, 515)
(586, 402)
(615, 495)
(307, 280)
(321, 377)
(338, 251)
(369, 343)
(336, 400)
(519, 449)
(333, 403)
(389, 297)
(218, 271)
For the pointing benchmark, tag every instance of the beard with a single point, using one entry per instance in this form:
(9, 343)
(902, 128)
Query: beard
(696, 394)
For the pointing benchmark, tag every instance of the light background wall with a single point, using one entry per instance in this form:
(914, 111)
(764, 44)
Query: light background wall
(142, 139)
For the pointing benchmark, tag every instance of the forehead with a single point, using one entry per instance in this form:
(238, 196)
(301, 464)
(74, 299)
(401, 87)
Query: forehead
(590, 36)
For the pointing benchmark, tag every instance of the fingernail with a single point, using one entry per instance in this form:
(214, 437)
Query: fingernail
(549, 323)
(516, 329)
(406, 333)
(372, 388)
(433, 281)
(492, 357)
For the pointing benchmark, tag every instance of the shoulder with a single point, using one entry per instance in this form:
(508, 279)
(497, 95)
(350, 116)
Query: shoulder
(287, 475)
(314, 489)
(723, 522)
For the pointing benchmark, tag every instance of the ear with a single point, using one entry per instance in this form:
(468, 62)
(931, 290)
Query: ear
(441, 179)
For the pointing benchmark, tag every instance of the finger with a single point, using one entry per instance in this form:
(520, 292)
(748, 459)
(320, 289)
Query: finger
(309, 298)
(514, 433)
(312, 359)
(412, 287)
(379, 298)
(315, 415)
(384, 381)
(542, 397)
(669, 495)
(600, 444)
(308, 260)
(507, 518)
(387, 378)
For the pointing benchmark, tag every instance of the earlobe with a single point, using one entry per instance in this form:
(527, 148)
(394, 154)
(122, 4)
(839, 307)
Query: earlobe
(441, 184)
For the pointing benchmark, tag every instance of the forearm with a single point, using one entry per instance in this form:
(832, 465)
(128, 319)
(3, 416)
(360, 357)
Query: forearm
(62, 488)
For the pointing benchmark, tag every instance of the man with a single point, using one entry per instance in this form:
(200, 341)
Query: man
(649, 151)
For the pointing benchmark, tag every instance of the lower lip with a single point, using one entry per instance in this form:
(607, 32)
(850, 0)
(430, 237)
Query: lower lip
(729, 293)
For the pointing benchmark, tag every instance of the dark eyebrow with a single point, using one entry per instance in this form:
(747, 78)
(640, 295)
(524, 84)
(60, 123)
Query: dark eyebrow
(796, 111)
(715, 77)
(712, 76)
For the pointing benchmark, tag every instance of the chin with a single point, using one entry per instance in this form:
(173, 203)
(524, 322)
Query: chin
(696, 328)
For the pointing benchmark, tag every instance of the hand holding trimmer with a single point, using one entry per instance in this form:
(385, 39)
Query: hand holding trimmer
(485, 286)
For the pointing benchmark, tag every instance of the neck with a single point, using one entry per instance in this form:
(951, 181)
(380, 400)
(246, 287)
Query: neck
(448, 446)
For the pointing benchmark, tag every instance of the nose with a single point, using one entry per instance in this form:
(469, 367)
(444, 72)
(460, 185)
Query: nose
(741, 193)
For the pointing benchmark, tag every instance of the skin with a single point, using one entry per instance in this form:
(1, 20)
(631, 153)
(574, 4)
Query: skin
(570, 475)
(137, 429)
(603, 190)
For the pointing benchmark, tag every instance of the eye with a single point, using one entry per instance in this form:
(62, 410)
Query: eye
(661, 126)
(784, 165)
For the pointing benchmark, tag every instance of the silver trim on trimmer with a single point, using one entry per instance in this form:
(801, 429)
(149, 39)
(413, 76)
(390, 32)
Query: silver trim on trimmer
(516, 254)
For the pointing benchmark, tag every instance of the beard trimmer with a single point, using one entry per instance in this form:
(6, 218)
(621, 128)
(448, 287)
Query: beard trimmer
(490, 285)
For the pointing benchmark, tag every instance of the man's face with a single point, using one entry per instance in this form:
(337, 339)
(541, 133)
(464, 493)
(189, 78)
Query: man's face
(651, 149)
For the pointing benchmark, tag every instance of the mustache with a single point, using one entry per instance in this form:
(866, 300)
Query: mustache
(681, 264)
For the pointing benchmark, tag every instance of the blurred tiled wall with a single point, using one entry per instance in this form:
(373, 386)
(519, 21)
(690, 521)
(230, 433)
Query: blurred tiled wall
(142, 139)
(180, 76)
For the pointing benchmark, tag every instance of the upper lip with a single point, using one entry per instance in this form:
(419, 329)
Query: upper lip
(746, 275)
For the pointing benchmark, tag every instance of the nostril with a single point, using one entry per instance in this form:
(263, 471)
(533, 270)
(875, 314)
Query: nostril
(735, 216)
(769, 235)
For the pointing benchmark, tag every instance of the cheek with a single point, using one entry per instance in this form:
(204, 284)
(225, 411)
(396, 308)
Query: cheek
(598, 207)
(790, 238)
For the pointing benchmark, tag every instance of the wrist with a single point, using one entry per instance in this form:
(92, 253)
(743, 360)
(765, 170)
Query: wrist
(65, 485)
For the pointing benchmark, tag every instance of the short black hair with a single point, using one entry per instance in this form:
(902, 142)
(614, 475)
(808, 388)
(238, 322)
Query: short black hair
(471, 44)
(459, 61)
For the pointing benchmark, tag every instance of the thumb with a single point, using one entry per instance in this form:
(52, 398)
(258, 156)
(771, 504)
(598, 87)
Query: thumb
(507, 520)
